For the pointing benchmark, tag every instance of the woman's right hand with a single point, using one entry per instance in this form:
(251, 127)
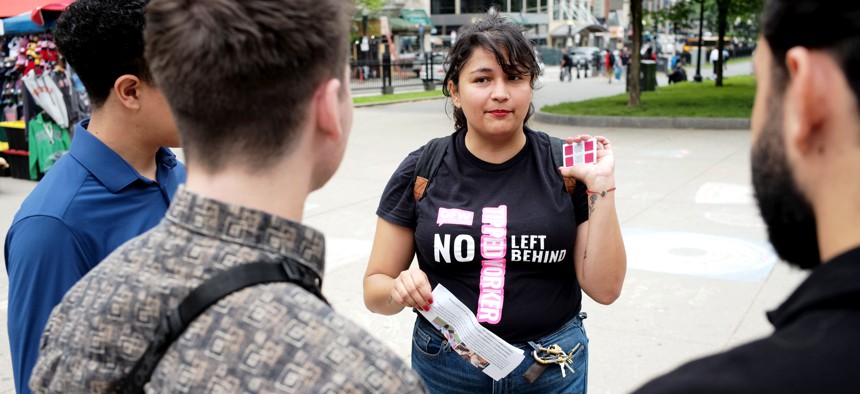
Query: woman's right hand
(412, 289)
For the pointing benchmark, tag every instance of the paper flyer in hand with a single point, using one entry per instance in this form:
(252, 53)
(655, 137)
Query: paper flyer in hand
(468, 338)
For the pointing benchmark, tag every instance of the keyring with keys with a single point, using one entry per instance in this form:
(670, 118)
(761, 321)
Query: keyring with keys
(544, 356)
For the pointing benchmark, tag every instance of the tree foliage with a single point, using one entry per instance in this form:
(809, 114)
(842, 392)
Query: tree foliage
(741, 16)
(370, 8)
(370, 5)
(732, 18)
(682, 15)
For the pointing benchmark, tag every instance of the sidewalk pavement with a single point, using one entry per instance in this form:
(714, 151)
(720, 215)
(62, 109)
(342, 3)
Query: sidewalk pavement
(701, 274)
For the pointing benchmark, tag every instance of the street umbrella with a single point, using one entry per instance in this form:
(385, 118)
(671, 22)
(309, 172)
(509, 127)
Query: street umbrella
(16, 7)
(49, 12)
(21, 24)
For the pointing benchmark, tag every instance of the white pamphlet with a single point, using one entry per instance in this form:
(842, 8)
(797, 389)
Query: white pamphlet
(468, 338)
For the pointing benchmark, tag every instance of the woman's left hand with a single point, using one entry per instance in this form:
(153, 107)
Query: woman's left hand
(596, 176)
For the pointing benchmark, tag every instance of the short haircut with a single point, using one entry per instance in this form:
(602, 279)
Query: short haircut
(501, 36)
(239, 74)
(103, 40)
(833, 26)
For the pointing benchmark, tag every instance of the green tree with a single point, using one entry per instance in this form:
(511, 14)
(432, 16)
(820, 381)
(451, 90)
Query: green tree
(635, 98)
(371, 5)
(681, 14)
(732, 9)
(722, 16)
(370, 9)
(718, 14)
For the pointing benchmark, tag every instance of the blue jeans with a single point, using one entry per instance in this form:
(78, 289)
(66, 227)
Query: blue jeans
(444, 371)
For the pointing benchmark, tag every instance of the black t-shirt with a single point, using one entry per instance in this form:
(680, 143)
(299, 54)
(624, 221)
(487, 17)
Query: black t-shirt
(566, 60)
(499, 236)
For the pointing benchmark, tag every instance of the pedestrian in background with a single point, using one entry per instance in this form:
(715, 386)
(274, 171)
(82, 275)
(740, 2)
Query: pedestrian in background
(609, 61)
(263, 125)
(115, 183)
(715, 60)
(806, 177)
(625, 56)
(501, 173)
(566, 66)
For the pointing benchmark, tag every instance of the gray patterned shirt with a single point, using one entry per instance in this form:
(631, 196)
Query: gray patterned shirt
(268, 338)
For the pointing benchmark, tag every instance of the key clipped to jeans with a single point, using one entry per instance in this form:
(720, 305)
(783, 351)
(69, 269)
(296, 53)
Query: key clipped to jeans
(546, 356)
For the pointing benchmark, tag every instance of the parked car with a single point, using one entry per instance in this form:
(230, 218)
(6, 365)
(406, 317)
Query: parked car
(583, 56)
(418, 63)
(439, 70)
(539, 60)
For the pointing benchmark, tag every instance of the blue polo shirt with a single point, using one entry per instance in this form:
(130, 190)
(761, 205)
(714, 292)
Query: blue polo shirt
(88, 204)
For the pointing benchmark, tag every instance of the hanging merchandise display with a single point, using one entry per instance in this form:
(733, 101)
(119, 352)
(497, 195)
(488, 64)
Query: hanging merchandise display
(47, 95)
(33, 63)
(11, 102)
(48, 142)
(36, 88)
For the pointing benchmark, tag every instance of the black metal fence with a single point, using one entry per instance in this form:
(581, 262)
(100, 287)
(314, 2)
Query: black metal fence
(372, 72)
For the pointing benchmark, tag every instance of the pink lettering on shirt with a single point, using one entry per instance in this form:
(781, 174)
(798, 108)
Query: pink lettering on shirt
(454, 216)
(493, 249)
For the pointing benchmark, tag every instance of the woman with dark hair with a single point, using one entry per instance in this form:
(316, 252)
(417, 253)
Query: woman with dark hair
(496, 226)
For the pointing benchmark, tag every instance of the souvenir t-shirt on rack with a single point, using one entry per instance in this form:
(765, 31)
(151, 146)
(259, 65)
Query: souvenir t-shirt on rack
(48, 142)
(499, 236)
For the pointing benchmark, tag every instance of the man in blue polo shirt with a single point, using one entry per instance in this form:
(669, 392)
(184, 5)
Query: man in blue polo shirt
(115, 183)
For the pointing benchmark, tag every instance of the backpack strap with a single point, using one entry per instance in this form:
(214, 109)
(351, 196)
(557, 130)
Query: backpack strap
(555, 146)
(434, 151)
(174, 323)
(428, 164)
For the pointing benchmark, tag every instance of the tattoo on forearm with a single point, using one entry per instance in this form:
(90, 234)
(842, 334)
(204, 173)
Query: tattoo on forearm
(593, 199)
(390, 300)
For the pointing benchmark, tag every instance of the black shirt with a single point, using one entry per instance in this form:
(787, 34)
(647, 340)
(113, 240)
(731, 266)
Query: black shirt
(815, 347)
(499, 236)
(566, 60)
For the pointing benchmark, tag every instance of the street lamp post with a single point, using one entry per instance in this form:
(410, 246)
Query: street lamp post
(386, 68)
(569, 42)
(698, 76)
(373, 57)
(569, 45)
(364, 47)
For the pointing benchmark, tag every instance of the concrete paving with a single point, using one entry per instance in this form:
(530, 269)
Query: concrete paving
(701, 272)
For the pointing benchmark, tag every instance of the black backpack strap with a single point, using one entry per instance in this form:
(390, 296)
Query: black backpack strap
(428, 164)
(174, 323)
(434, 152)
(555, 146)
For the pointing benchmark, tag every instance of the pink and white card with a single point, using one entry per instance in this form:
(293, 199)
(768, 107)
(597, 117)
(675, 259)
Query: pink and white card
(584, 152)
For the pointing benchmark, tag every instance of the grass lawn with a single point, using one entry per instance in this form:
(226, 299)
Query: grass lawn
(397, 96)
(686, 99)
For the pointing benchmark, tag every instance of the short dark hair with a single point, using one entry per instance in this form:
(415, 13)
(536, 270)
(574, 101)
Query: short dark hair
(830, 25)
(239, 74)
(501, 36)
(103, 40)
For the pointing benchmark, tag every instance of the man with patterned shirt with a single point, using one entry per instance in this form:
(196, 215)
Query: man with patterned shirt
(259, 90)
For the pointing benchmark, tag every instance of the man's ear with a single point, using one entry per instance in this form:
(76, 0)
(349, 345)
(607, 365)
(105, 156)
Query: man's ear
(327, 108)
(806, 99)
(127, 90)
